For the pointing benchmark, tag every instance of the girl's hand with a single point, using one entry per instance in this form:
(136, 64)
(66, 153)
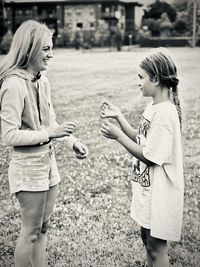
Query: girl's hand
(109, 130)
(64, 129)
(108, 110)
(81, 151)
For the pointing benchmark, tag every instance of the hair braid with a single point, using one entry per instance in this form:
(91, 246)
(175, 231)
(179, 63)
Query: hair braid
(175, 99)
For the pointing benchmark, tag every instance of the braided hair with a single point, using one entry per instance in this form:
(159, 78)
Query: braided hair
(160, 65)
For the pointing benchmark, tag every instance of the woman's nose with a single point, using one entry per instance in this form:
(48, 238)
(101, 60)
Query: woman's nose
(50, 54)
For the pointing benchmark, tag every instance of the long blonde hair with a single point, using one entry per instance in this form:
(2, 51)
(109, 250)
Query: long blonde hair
(159, 64)
(26, 43)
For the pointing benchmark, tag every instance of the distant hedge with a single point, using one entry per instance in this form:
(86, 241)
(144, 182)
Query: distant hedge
(166, 41)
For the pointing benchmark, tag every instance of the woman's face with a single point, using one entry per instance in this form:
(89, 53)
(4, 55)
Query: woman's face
(41, 61)
(146, 85)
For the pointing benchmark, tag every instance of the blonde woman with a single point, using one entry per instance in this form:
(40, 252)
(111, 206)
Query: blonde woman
(28, 125)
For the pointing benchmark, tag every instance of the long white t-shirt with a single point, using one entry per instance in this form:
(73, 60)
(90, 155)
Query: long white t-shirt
(157, 202)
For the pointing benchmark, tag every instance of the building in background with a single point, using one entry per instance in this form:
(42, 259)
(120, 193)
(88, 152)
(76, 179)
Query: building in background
(72, 21)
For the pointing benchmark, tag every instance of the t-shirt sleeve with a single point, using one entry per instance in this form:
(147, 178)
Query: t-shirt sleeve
(159, 144)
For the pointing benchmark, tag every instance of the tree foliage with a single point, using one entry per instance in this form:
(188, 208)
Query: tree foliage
(156, 9)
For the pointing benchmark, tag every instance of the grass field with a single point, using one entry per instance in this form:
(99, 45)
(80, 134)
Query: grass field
(91, 225)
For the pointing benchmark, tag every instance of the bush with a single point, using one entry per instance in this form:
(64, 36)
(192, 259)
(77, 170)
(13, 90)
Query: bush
(180, 26)
(160, 41)
(6, 42)
(153, 26)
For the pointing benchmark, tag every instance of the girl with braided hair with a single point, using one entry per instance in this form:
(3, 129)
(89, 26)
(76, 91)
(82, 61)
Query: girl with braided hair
(157, 169)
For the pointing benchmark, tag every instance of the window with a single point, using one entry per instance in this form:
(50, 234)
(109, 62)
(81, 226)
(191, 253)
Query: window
(19, 12)
(69, 25)
(91, 11)
(91, 24)
(107, 10)
(68, 12)
(78, 11)
(79, 25)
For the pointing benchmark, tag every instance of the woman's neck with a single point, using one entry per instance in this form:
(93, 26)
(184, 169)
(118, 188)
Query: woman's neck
(31, 71)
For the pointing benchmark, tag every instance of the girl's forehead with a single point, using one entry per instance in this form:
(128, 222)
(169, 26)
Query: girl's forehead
(142, 72)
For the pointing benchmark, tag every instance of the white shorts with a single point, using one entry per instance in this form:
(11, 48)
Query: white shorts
(33, 169)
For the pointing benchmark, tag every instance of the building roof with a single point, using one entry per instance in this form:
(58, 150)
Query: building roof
(70, 1)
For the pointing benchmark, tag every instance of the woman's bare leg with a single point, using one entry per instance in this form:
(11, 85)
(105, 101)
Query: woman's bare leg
(39, 248)
(32, 207)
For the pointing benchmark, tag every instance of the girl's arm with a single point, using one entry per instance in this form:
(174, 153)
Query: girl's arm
(126, 127)
(111, 131)
(108, 110)
(133, 148)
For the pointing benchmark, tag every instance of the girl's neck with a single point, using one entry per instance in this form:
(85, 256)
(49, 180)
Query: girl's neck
(161, 96)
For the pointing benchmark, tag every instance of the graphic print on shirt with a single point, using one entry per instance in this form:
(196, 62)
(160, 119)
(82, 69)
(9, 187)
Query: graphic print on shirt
(141, 173)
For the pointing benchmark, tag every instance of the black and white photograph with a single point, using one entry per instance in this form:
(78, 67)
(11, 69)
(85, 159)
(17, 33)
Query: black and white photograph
(99, 133)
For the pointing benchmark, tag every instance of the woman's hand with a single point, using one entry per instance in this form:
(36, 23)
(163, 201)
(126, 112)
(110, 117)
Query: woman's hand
(108, 110)
(109, 130)
(81, 151)
(64, 129)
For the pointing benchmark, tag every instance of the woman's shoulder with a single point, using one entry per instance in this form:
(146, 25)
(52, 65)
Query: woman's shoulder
(13, 82)
(45, 81)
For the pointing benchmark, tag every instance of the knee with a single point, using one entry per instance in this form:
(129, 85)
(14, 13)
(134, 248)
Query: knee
(151, 252)
(45, 227)
(35, 235)
(156, 248)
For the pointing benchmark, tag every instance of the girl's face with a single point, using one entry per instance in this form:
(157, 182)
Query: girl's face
(43, 56)
(147, 86)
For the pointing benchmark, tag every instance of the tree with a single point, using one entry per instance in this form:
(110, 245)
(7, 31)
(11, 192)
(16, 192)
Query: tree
(165, 25)
(3, 28)
(156, 9)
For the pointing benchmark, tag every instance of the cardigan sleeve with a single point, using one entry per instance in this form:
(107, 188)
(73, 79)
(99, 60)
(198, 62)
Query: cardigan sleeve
(12, 95)
(70, 140)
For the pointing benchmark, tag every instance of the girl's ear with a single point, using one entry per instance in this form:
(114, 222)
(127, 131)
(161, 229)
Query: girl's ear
(156, 81)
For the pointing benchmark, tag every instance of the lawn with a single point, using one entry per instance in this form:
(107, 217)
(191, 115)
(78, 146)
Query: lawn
(91, 225)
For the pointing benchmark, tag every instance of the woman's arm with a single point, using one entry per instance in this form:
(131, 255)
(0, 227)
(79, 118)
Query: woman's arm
(12, 97)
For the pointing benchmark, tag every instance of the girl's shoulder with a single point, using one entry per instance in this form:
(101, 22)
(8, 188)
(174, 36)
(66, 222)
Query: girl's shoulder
(165, 113)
